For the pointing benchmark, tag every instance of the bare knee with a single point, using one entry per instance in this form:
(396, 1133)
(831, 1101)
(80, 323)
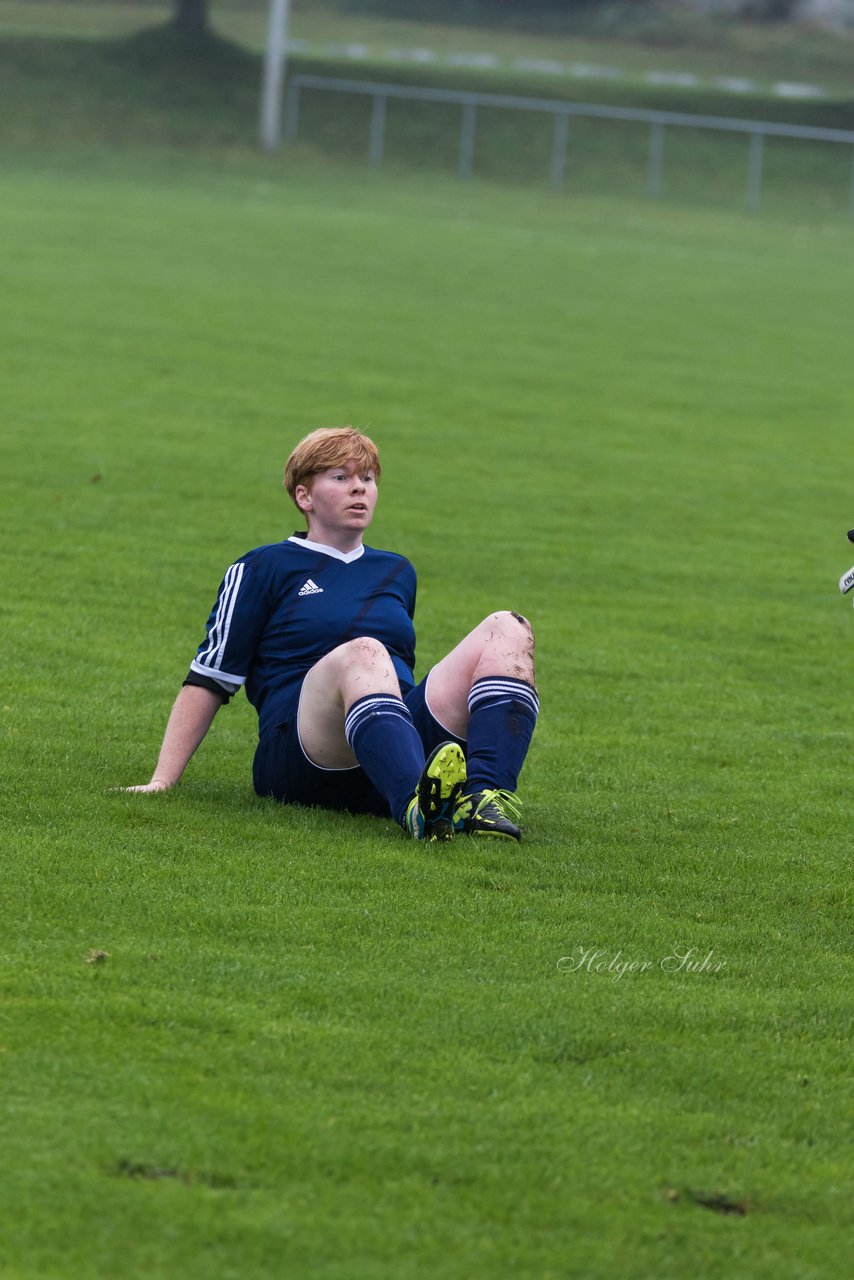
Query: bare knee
(507, 622)
(507, 647)
(366, 667)
(363, 659)
(364, 651)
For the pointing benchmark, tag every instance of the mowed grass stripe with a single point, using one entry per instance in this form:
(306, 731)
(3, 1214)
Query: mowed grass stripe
(311, 1048)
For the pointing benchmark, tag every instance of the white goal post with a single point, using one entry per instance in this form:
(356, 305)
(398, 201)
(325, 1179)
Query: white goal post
(274, 75)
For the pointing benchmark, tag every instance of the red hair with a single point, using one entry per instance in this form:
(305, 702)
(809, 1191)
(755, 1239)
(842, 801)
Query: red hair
(329, 447)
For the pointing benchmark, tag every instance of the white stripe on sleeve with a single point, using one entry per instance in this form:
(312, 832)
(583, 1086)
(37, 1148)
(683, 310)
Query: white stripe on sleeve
(218, 635)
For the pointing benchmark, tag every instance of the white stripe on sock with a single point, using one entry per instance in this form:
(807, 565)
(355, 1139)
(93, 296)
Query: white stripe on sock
(382, 704)
(506, 690)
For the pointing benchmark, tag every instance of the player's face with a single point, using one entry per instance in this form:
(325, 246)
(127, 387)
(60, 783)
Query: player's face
(340, 504)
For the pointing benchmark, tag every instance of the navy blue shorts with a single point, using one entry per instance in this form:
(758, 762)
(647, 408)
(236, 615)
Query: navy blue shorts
(283, 770)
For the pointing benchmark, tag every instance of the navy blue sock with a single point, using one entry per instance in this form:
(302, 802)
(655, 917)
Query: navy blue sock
(384, 740)
(502, 715)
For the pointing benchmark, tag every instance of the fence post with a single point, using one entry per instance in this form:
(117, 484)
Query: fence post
(467, 140)
(291, 111)
(559, 148)
(656, 160)
(375, 155)
(754, 175)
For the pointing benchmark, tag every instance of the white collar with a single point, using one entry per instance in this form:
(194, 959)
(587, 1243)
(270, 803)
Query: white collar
(346, 556)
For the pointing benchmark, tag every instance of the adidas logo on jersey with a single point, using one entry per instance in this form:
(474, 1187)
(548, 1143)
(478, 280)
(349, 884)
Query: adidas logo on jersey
(310, 588)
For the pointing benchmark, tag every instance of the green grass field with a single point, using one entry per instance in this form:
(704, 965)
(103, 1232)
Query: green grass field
(313, 1049)
(245, 1041)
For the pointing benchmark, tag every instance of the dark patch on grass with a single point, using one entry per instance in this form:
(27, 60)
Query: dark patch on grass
(577, 1055)
(168, 44)
(149, 88)
(138, 1169)
(142, 1170)
(716, 1201)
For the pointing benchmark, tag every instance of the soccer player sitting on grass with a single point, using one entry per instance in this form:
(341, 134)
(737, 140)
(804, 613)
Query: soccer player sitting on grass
(319, 629)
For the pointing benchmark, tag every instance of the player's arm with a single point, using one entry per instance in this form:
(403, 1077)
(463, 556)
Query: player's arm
(216, 673)
(191, 717)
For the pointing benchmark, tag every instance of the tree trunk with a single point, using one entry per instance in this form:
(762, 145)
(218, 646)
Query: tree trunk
(191, 17)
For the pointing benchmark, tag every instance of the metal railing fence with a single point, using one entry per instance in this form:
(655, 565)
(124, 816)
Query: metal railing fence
(563, 112)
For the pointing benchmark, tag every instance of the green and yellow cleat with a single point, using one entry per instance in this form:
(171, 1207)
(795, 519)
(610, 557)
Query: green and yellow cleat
(431, 811)
(488, 813)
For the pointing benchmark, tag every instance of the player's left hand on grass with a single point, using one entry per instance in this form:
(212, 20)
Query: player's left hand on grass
(154, 785)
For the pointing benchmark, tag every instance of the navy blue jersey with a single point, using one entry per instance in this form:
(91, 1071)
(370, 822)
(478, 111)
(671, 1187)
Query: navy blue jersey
(282, 607)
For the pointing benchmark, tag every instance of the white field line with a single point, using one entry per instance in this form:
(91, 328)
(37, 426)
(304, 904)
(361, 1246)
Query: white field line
(550, 67)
